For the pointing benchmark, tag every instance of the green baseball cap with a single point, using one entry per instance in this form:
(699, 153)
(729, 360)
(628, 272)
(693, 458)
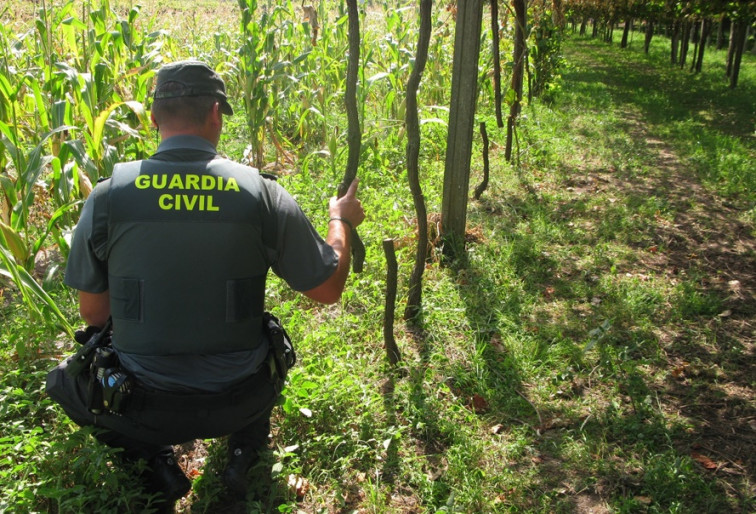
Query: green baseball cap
(197, 79)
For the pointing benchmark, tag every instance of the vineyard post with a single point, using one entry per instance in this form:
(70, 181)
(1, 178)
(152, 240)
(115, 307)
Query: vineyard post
(354, 136)
(414, 299)
(464, 91)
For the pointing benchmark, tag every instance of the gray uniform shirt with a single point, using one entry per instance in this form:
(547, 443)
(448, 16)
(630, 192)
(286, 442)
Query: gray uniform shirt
(301, 258)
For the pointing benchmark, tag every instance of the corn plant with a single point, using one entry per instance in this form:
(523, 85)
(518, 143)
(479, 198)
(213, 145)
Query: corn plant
(317, 92)
(261, 70)
(72, 97)
(19, 241)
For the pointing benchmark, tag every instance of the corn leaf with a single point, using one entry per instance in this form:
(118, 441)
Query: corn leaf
(13, 241)
(37, 301)
(51, 224)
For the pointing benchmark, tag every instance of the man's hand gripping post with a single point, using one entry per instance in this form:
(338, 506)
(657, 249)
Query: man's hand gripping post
(349, 192)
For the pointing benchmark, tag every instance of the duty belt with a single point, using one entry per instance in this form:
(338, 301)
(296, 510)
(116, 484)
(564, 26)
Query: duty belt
(142, 398)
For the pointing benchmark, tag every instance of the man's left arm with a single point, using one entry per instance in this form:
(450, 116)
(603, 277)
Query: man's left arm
(85, 270)
(94, 307)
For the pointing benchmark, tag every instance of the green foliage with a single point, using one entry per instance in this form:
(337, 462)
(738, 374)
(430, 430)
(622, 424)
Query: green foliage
(545, 54)
(72, 103)
(38, 302)
(559, 363)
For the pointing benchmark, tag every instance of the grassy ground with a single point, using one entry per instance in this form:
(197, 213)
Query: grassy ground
(593, 352)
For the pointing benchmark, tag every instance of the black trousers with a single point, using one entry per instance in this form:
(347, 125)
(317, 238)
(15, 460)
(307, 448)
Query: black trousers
(155, 419)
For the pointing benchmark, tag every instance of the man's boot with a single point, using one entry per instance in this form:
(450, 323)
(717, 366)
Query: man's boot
(240, 460)
(243, 447)
(166, 478)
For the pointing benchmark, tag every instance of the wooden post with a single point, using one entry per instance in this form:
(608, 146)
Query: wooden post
(392, 350)
(461, 120)
(496, 61)
(519, 57)
(414, 297)
(354, 134)
(484, 183)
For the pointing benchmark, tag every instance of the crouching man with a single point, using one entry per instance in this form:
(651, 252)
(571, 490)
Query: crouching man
(174, 251)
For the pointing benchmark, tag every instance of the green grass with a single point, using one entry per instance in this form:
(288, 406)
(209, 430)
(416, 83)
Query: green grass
(589, 347)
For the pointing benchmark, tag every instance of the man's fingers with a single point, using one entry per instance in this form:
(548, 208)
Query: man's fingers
(352, 191)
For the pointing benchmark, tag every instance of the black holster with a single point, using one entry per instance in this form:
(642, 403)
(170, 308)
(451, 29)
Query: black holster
(281, 346)
(83, 358)
(109, 385)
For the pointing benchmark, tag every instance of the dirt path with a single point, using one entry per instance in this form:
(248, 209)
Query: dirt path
(700, 235)
(712, 361)
(707, 236)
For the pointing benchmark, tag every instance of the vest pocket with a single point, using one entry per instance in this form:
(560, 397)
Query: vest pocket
(245, 298)
(127, 298)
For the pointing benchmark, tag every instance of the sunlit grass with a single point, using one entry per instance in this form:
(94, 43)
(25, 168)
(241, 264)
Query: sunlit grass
(544, 365)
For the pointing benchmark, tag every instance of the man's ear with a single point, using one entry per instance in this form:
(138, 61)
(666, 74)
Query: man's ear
(154, 122)
(216, 115)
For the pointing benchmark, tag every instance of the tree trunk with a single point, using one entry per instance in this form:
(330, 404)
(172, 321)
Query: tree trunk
(694, 36)
(731, 47)
(705, 31)
(464, 92)
(582, 26)
(720, 33)
(609, 32)
(526, 66)
(684, 43)
(496, 61)
(414, 300)
(649, 35)
(626, 32)
(740, 41)
(675, 39)
(518, 58)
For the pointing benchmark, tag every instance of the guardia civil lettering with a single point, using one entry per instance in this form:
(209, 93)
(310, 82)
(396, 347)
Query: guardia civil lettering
(187, 203)
(186, 182)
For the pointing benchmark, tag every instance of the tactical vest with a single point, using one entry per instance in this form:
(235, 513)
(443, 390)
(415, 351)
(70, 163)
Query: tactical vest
(188, 248)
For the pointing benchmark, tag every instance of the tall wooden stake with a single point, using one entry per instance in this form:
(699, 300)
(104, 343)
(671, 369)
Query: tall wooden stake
(354, 135)
(496, 61)
(392, 350)
(520, 7)
(484, 183)
(414, 299)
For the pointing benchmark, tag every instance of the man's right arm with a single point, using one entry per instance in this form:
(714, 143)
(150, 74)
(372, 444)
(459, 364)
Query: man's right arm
(345, 213)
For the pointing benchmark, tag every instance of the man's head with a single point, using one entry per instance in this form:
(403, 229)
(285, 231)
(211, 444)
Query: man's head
(186, 92)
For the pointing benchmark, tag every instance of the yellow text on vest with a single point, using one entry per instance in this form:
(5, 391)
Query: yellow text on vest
(186, 182)
(187, 203)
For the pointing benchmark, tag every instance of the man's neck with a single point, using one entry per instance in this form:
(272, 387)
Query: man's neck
(211, 138)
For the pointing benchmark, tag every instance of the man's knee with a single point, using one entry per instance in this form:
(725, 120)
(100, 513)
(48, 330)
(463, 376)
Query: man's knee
(69, 393)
